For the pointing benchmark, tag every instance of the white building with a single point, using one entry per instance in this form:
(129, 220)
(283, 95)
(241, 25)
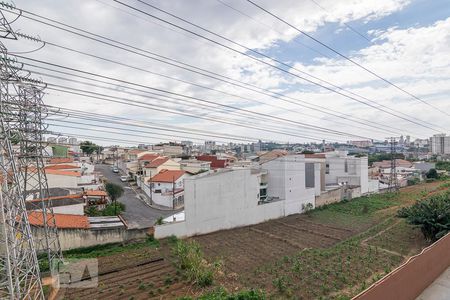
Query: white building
(341, 169)
(440, 144)
(167, 189)
(194, 166)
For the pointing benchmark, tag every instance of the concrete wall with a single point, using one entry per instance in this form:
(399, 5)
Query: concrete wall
(62, 181)
(337, 195)
(410, 279)
(79, 238)
(76, 209)
(221, 201)
(286, 180)
(229, 199)
(328, 197)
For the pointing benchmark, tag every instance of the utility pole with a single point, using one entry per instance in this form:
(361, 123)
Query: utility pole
(393, 181)
(173, 192)
(22, 177)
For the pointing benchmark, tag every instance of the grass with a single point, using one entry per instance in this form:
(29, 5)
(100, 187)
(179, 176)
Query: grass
(358, 211)
(190, 259)
(109, 249)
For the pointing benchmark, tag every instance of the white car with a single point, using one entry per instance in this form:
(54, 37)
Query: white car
(124, 178)
(115, 170)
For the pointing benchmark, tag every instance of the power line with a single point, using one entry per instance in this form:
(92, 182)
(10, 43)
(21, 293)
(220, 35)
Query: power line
(160, 57)
(377, 106)
(346, 57)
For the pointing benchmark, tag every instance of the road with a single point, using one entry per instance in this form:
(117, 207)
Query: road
(137, 214)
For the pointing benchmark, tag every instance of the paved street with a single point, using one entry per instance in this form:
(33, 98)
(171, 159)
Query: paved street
(136, 214)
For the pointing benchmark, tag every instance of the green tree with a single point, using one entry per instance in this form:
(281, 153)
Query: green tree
(432, 173)
(89, 147)
(114, 191)
(432, 215)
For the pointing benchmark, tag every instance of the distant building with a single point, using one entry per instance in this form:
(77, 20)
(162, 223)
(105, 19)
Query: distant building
(361, 144)
(440, 144)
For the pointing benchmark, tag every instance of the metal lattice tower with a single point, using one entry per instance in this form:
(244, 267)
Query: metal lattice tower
(22, 178)
(393, 181)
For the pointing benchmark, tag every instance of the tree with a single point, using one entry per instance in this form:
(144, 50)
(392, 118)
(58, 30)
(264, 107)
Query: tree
(114, 191)
(88, 147)
(432, 173)
(432, 215)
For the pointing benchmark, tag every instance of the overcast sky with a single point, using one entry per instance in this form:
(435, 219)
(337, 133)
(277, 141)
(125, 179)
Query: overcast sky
(405, 41)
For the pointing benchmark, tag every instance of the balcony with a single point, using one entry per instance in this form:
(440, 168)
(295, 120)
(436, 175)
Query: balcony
(263, 185)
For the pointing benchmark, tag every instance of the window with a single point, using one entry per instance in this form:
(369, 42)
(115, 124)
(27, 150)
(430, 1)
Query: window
(158, 191)
(346, 166)
(327, 169)
(309, 175)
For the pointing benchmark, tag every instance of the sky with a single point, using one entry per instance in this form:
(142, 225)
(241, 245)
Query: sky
(285, 86)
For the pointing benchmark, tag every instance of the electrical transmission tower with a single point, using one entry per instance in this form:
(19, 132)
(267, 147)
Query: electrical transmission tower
(22, 178)
(393, 180)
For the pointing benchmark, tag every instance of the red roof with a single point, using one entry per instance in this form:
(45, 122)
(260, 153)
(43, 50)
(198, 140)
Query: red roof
(63, 172)
(215, 162)
(62, 167)
(61, 160)
(96, 193)
(61, 220)
(157, 162)
(168, 176)
(148, 157)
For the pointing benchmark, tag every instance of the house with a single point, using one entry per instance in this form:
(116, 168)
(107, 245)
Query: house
(153, 167)
(227, 198)
(195, 166)
(68, 204)
(63, 221)
(216, 163)
(167, 188)
(291, 179)
(170, 149)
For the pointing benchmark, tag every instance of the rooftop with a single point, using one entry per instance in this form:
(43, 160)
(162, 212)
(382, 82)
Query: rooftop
(63, 172)
(61, 167)
(157, 162)
(61, 220)
(168, 175)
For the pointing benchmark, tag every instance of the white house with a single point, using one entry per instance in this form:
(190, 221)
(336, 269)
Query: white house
(158, 163)
(167, 188)
(292, 180)
(229, 198)
(341, 169)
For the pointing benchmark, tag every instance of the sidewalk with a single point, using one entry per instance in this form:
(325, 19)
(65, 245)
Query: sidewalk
(439, 289)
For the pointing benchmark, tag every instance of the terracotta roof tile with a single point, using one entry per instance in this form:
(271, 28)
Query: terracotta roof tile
(157, 162)
(168, 175)
(148, 157)
(61, 220)
(62, 167)
(63, 172)
(96, 193)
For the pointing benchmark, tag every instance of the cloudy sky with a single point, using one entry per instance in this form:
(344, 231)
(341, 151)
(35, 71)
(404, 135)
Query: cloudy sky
(249, 76)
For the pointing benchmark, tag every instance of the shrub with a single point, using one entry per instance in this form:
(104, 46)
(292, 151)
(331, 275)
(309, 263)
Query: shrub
(190, 260)
(432, 215)
(432, 173)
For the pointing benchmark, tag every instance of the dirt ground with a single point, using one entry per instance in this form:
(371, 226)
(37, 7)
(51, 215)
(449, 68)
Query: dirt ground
(335, 249)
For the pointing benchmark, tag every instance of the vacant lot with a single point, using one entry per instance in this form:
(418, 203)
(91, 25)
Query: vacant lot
(333, 252)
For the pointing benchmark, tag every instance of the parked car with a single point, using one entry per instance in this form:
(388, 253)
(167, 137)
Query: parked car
(116, 170)
(124, 178)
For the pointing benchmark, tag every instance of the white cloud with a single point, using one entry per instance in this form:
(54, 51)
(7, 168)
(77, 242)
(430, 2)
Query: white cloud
(421, 67)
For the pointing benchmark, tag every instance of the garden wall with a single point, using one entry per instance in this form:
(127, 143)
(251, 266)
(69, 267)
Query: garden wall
(410, 279)
(78, 238)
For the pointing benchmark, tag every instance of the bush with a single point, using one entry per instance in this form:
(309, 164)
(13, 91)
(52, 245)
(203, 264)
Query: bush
(190, 259)
(432, 173)
(222, 294)
(432, 215)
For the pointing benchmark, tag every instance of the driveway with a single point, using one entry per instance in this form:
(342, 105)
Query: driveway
(137, 214)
